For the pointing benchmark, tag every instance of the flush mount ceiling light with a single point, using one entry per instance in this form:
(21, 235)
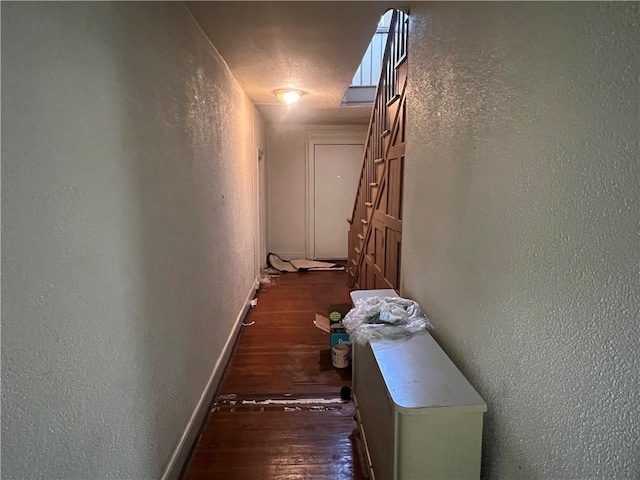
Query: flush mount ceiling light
(289, 96)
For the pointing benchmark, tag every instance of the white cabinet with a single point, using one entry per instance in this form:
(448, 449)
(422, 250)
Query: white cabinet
(418, 416)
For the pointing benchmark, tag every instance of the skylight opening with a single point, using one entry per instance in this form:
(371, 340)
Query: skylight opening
(368, 72)
(362, 90)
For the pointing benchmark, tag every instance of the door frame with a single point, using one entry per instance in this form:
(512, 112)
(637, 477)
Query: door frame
(263, 211)
(349, 136)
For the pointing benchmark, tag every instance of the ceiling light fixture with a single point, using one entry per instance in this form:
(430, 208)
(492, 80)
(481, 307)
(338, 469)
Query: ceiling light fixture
(289, 96)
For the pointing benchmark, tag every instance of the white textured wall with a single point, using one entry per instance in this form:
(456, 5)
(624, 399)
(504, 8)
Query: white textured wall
(521, 218)
(287, 164)
(128, 229)
(286, 154)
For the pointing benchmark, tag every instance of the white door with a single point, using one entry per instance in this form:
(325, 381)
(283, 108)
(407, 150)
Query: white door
(336, 171)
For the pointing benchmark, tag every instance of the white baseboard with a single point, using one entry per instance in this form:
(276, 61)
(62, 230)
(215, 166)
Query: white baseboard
(183, 449)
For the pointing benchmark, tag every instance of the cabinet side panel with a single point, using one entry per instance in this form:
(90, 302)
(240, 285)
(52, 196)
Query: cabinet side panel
(439, 444)
(375, 411)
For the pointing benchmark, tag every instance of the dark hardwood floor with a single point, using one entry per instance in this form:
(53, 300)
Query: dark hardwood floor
(277, 414)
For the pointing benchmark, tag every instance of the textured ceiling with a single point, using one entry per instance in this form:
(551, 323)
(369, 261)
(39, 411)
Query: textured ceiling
(313, 46)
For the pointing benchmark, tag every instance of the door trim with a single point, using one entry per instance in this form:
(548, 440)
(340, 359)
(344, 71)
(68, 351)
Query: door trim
(263, 210)
(350, 136)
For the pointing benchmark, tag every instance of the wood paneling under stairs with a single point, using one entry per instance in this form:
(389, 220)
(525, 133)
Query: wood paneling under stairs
(284, 358)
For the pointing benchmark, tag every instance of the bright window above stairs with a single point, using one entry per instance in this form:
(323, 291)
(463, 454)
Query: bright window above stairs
(363, 86)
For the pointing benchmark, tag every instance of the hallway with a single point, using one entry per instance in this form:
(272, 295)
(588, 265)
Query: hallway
(282, 356)
(135, 155)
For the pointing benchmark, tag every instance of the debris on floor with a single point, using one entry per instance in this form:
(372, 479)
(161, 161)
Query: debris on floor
(267, 275)
(277, 403)
(300, 264)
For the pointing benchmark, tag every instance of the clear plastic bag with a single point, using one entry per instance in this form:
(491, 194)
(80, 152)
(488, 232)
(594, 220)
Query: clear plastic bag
(378, 317)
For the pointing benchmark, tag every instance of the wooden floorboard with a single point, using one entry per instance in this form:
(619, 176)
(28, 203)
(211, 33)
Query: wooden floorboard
(277, 414)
